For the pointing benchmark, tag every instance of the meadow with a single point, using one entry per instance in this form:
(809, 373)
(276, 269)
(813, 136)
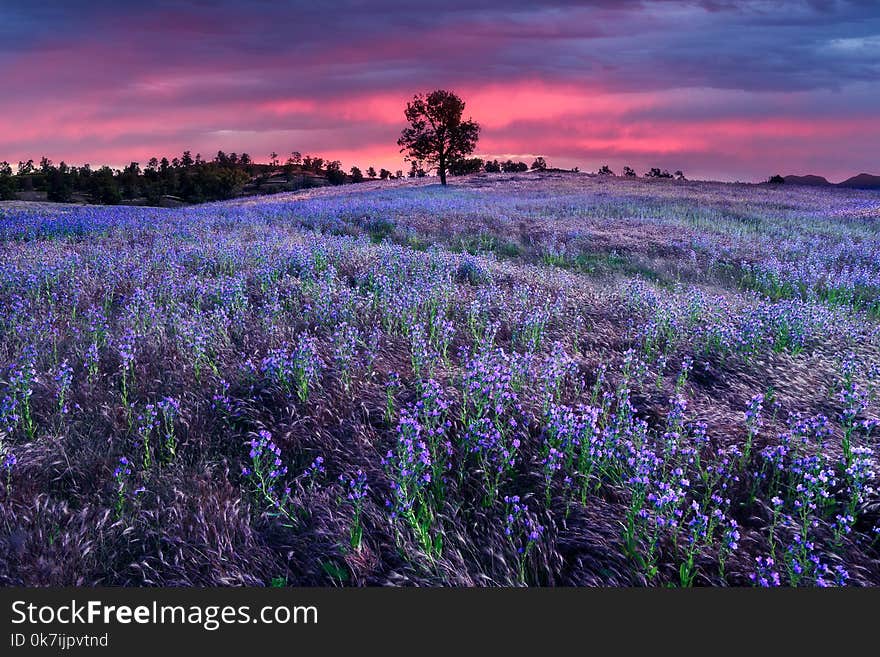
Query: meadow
(538, 379)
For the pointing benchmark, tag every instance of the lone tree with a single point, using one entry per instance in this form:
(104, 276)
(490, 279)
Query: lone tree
(437, 135)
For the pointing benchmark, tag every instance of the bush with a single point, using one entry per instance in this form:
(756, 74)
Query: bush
(466, 166)
(471, 272)
(58, 186)
(335, 174)
(514, 167)
(7, 182)
(379, 229)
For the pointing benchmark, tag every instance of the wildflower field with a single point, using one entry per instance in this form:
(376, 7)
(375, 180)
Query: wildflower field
(540, 379)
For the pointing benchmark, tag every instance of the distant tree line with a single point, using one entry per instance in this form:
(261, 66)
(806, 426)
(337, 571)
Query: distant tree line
(654, 172)
(476, 165)
(191, 179)
(228, 175)
(471, 165)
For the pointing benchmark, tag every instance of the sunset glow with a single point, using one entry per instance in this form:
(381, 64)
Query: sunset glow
(720, 89)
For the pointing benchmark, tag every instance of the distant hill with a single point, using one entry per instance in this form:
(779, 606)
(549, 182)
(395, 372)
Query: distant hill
(814, 181)
(861, 181)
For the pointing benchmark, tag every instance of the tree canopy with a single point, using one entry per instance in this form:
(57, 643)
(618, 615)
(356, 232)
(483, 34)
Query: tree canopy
(437, 135)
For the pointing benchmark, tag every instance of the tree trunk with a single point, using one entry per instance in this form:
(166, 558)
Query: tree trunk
(441, 169)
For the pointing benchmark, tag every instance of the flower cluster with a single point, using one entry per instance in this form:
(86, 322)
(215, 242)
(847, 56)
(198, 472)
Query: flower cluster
(356, 489)
(168, 410)
(15, 406)
(267, 474)
(496, 453)
(521, 529)
(295, 370)
(64, 380)
(121, 475)
(345, 349)
(765, 574)
(409, 468)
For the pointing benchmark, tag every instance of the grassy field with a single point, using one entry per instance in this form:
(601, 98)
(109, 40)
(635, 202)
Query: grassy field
(538, 379)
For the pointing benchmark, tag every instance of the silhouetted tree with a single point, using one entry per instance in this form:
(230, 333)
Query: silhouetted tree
(310, 163)
(679, 175)
(103, 187)
(437, 135)
(629, 172)
(384, 174)
(7, 182)
(493, 167)
(605, 170)
(540, 164)
(58, 184)
(296, 157)
(514, 167)
(466, 166)
(356, 175)
(371, 172)
(128, 180)
(335, 174)
(186, 161)
(273, 158)
(245, 159)
(216, 182)
(398, 174)
(776, 180)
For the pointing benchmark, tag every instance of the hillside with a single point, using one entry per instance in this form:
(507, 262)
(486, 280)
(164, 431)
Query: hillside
(527, 379)
(862, 181)
(810, 180)
(167, 185)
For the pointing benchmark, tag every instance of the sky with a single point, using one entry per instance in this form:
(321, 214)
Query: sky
(726, 90)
